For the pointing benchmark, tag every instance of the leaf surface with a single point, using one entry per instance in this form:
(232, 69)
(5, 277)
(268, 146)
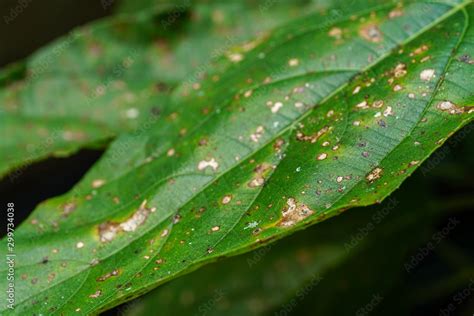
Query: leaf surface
(327, 113)
(107, 77)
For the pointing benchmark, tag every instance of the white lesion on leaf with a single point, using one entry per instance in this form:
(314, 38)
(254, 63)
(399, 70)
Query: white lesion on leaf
(293, 213)
(109, 230)
(451, 108)
(259, 179)
(375, 174)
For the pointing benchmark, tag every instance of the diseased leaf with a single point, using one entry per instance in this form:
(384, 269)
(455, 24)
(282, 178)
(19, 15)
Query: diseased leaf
(107, 77)
(327, 113)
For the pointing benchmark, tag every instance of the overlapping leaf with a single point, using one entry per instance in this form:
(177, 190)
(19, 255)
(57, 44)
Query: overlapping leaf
(107, 77)
(328, 113)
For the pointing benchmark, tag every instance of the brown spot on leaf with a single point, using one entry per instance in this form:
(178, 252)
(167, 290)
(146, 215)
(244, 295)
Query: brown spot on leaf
(371, 33)
(312, 138)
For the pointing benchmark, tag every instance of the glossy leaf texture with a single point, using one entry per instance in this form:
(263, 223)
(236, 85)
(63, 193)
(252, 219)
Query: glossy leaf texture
(330, 112)
(107, 77)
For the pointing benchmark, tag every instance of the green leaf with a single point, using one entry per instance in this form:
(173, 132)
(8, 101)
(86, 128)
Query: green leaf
(106, 78)
(332, 111)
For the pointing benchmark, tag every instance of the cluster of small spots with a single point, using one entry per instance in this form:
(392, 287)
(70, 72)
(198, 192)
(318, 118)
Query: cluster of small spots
(212, 163)
(293, 213)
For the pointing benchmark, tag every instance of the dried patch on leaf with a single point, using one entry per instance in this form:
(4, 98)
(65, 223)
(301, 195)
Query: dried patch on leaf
(107, 275)
(259, 178)
(109, 230)
(208, 163)
(312, 138)
(451, 108)
(374, 174)
(294, 212)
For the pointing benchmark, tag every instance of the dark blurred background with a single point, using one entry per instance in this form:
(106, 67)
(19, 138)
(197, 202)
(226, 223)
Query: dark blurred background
(36, 23)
